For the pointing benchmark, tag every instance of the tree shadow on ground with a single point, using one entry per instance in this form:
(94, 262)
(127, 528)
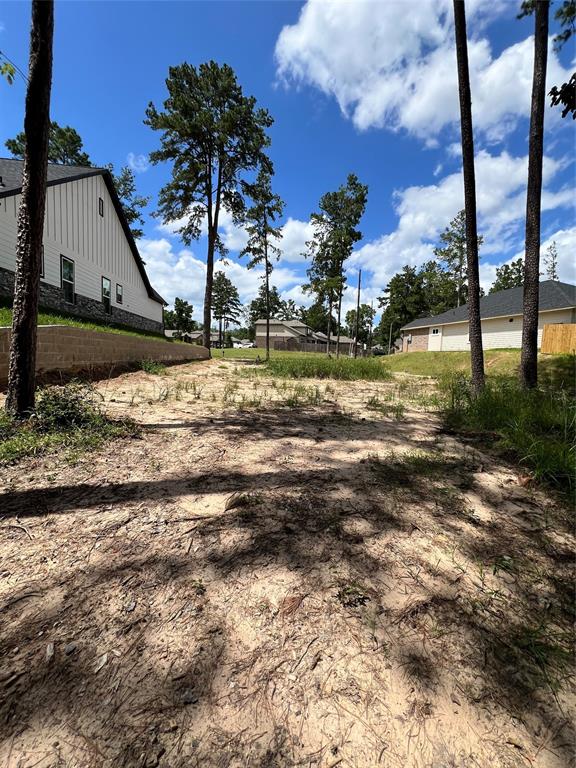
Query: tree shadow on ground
(359, 527)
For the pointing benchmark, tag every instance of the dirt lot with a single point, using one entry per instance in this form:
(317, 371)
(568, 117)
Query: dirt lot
(279, 575)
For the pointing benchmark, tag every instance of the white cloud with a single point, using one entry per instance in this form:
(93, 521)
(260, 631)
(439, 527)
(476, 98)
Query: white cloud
(390, 68)
(424, 212)
(181, 273)
(295, 234)
(138, 163)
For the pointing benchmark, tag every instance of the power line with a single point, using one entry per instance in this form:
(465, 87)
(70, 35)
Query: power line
(12, 64)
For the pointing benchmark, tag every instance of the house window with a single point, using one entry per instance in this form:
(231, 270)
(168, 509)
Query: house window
(101, 206)
(107, 295)
(435, 331)
(511, 320)
(119, 294)
(67, 279)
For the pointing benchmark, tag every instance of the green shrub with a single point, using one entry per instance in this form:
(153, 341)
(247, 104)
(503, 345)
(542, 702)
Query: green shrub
(152, 366)
(65, 417)
(538, 426)
(324, 367)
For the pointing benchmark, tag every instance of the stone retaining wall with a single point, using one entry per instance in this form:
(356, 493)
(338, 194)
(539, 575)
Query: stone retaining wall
(67, 349)
(52, 297)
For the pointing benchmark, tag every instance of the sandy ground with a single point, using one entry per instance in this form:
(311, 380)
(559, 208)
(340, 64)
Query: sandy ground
(277, 575)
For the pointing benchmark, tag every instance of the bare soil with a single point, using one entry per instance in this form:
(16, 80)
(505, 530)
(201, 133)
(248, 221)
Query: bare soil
(277, 575)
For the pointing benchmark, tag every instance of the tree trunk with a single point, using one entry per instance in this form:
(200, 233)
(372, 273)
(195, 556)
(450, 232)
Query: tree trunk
(208, 293)
(529, 357)
(338, 328)
(474, 324)
(329, 325)
(220, 333)
(22, 364)
(267, 292)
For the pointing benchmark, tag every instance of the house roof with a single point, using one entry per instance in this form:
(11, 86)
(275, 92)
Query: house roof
(11, 184)
(553, 295)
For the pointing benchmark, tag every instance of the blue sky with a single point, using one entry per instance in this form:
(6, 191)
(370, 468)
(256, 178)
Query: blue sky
(364, 87)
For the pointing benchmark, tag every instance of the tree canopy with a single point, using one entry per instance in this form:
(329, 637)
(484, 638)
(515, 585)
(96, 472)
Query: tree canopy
(226, 303)
(211, 133)
(509, 276)
(65, 146)
(453, 254)
(180, 318)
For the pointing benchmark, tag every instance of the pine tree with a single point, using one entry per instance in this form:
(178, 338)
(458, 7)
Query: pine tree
(211, 133)
(474, 323)
(226, 304)
(453, 254)
(22, 362)
(551, 261)
(262, 232)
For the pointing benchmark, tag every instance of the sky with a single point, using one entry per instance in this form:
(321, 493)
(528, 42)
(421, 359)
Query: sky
(362, 86)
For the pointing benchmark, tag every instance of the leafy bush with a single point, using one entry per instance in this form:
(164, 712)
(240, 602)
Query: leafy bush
(66, 416)
(151, 366)
(539, 425)
(324, 367)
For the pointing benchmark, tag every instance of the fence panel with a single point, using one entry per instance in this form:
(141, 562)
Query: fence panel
(558, 337)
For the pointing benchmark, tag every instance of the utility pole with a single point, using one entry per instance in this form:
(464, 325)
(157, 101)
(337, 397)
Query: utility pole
(357, 313)
(371, 326)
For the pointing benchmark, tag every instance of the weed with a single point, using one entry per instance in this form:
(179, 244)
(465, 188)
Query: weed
(152, 366)
(320, 367)
(538, 426)
(352, 595)
(65, 417)
(387, 409)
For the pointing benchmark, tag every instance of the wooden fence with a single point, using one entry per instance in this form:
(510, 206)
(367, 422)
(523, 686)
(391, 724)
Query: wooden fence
(558, 338)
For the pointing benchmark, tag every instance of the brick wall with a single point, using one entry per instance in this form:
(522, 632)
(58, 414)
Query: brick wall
(63, 348)
(419, 340)
(52, 297)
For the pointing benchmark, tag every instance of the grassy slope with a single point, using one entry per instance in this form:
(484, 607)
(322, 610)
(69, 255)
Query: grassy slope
(498, 362)
(52, 318)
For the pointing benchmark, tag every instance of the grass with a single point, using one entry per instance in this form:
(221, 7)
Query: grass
(537, 426)
(314, 366)
(66, 418)
(151, 366)
(47, 317)
(556, 369)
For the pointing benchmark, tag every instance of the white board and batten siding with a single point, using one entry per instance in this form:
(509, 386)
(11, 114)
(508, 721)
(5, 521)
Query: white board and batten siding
(497, 332)
(73, 227)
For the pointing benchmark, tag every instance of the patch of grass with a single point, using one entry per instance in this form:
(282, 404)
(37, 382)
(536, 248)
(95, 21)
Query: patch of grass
(537, 426)
(316, 366)
(152, 366)
(386, 409)
(48, 317)
(556, 370)
(65, 417)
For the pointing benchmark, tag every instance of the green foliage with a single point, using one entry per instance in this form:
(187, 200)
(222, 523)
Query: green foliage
(538, 425)
(152, 366)
(257, 307)
(367, 314)
(180, 318)
(66, 418)
(47, 317)
(322, 367)
(336, 230)
(566, 96)
(509, 276)
(453, 253)
(260, 219)
(551, 261)
(211, 133)
(316, 316)
(566, 16)
(226, 304)
(132, 203)
(64, 146)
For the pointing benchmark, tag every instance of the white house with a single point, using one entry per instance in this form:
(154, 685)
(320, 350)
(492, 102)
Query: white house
(91, 266)
(501, 319)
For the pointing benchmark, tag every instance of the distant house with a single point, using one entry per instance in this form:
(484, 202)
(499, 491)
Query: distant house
(501, 317)
(90, 263)
(293, 334)
(191, 337)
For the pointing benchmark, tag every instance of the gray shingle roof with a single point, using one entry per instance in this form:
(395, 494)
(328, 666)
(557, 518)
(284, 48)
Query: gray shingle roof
(11, 175)
(553, 295)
